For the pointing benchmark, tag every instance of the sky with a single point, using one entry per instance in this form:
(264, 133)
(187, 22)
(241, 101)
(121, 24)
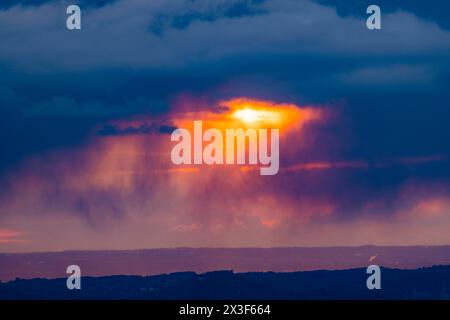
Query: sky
(86, 117)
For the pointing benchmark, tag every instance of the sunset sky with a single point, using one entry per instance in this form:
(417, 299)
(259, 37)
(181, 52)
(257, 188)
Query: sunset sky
(86, 119)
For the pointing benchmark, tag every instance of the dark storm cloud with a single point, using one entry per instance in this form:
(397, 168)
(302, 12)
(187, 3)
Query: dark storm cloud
(143, 128)
(6, 4)
(183, 20)
(434, 11)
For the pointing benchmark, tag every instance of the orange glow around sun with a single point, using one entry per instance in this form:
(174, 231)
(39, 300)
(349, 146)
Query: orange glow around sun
(253, 112)
(243, 112)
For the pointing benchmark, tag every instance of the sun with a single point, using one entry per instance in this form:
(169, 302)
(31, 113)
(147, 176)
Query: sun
(247, 115)
(251, 116)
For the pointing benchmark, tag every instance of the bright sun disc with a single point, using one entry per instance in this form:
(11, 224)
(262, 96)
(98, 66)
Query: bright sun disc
(247, 115)
(251, 115)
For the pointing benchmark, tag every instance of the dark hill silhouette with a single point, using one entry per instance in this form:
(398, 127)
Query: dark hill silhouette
(424, 283)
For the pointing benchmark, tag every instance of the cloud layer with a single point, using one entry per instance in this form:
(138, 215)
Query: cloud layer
(84, 118)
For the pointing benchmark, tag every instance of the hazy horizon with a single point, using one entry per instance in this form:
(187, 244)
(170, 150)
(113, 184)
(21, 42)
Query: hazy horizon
(249, 247)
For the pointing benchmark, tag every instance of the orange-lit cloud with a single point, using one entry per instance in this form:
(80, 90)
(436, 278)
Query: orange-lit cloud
(364, 164)
(11, 236)
(323, 165)
(122, 190)
(252, 112)
(433, 206)
(247, 112)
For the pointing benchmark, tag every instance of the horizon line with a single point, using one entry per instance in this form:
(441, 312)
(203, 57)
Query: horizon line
(226, 248)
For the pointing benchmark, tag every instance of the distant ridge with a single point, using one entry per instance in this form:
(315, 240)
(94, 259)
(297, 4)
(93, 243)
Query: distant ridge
(425, 283)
